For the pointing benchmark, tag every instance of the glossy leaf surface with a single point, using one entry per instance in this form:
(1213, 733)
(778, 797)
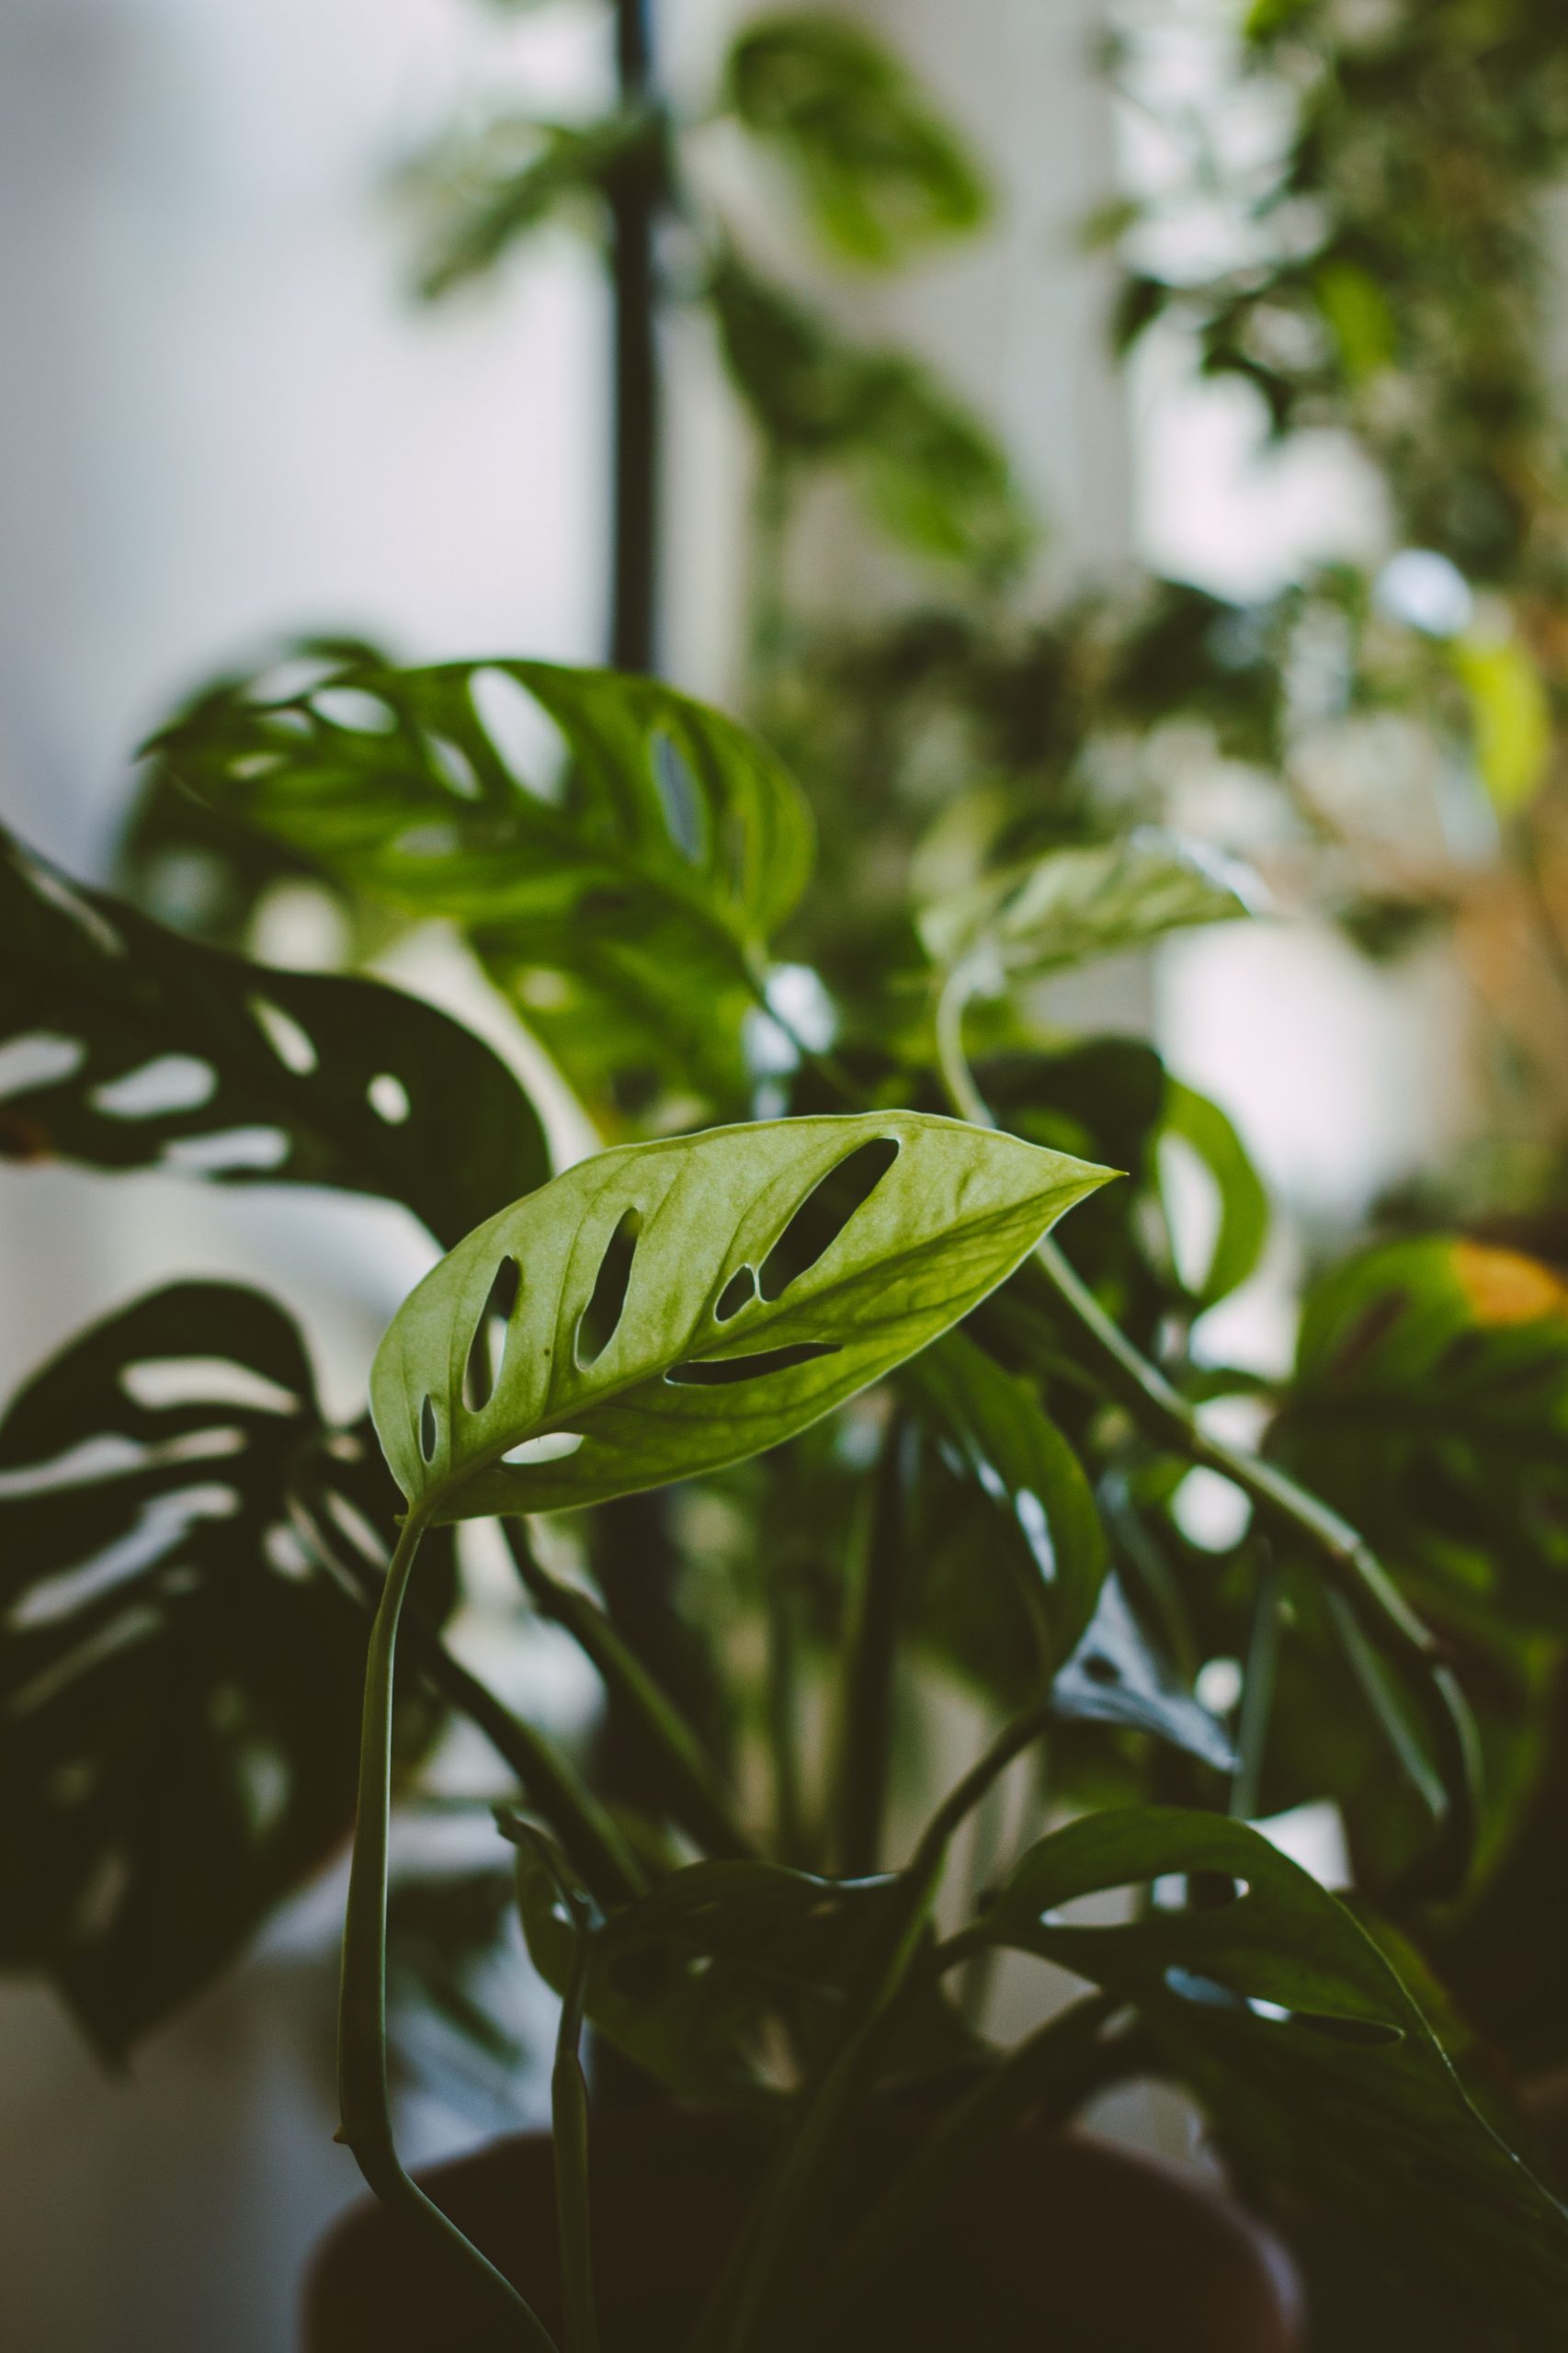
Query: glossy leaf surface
(123, 1045)
(180, 1677)
(1072, 904)
(1293, 2029)
(750, 1305)
(1430, 1401)
(877, 171)
(617, 853)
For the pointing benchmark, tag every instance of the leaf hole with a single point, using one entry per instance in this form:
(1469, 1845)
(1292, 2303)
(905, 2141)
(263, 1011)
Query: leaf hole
(680, 796)
(718, 1372)
(157, 1383)
(233, 1152)
(388, 1098)
(525, 737)
(598, 1324)
(454, 768)
(738, 1292)
(291, 1044)
(354, 710)
(488, 1348)
(40, 1059)
(555, 1446)
(427, 1430)
(1114, 1907)
(1208, 1992)
(824, 1214)
(168, 1083)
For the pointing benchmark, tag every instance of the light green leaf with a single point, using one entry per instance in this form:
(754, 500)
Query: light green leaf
(681, 1305)
(1072, 904)
(1294, 2030)
(878, 170)
(1511, 715)
(603, 840)
(1034, 1485)
(125, 1046)
(514, 176)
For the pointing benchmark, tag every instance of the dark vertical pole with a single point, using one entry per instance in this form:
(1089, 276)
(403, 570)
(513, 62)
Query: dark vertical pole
(633, 199)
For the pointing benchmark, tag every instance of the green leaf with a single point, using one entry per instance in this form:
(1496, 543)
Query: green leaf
(1036, 1496)
(1242, 1225)
(879, 171)
(1511, 717)
(681, 1305)
(1115, 1677)
(124, 1046)
(1430, 1403)
(925, 469)
(1072, 904)
(1293, 2029)
(180, 1676)
(497, 187)
(616, 851)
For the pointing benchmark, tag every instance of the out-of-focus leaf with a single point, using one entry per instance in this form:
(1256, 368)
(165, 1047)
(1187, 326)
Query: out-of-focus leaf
(925, 469)
(179, 1674)
(1038, 1509)
(1294, 2030)
(1242, 1227)
(515, 176)
(124, 1046)
(1511, 717)
(1072, 904)
(879, 171)
(1430, 1403)
(1116, 1677)
(617, 853)
(680, 1305)
(689, 1981)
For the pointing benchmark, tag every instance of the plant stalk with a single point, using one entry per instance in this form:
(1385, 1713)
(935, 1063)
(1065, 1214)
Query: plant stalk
(869, 1684)
(632, 198)
(363, 2098)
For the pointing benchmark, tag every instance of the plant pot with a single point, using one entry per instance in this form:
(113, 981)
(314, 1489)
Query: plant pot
(1050, 2242)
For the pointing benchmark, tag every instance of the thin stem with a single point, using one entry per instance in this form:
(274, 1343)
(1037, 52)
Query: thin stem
(569, 2121)
(782, 1702)
(1258, 1678)
(549, 1785)
(868, 1683)
(633, 195)
(697, 1794)
(362, 2018)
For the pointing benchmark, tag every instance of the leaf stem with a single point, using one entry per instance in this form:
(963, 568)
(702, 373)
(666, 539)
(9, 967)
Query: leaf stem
(699, 1795)
(868, 1682)
(363, 2098)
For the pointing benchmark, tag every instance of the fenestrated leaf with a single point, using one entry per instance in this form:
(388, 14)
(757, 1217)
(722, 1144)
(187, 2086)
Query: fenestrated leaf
(1296, 2032)
(925, 469)
(757, 1296)
(1072, 904)
(638, 882)
(878, 170)
(1115, 1677)
(125, 1046)
(180, 1676)
(694, 1980)
(1038, 1504)
(1430, 1403)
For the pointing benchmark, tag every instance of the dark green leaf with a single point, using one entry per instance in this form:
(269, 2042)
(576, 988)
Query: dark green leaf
(879, 171)
(617, 853)
(925, 467)
(718, 1342)
(1292, 2026)
(1038, 1509)
(179, 1677)
(1430, 1401)
(1242, 1227)
(125, 1046)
